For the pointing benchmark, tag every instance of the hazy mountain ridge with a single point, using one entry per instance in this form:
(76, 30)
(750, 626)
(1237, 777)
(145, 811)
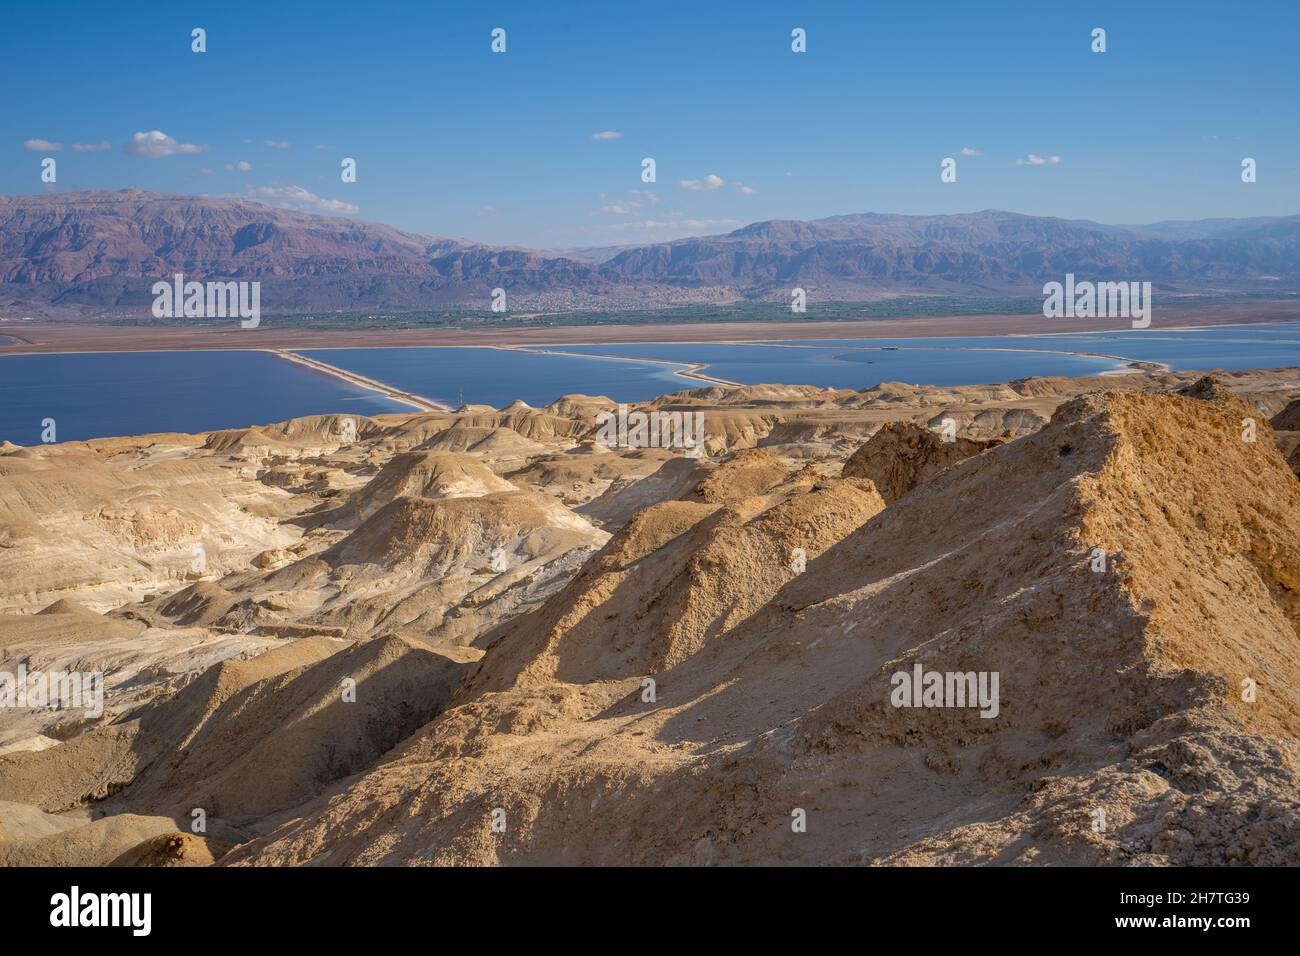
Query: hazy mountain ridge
(990, 251)
(99, 252)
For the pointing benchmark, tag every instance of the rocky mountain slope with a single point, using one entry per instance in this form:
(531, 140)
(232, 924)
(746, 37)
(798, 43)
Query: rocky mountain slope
(481, 637)
(98, 253)
(988, 252)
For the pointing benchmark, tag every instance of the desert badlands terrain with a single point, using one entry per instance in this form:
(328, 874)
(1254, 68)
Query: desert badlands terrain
(482, 637)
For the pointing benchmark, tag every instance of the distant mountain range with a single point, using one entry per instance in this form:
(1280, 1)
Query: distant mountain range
(96, 254)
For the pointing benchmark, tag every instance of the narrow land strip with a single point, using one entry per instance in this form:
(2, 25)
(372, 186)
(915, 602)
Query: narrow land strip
(693, 370)
(388, 391)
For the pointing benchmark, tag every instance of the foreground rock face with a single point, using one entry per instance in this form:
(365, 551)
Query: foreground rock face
(540, 652)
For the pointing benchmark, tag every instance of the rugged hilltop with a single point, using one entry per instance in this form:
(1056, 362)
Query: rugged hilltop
(482, 637)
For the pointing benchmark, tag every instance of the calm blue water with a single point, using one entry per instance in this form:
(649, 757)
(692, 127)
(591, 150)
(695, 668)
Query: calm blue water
(844, 366)
(96, 395)
(132, 393)
(1230, 349)
(838, 363)
(499, 376)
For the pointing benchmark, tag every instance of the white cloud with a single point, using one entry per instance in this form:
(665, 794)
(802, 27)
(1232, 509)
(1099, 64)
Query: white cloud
(745, 190)
(243, 165)
(971, 151)
(102, 145)
(203, 171)
(708, 182)
(274, 145)
(41, 146)
(691, 225)
(607, 134)
(156, 144)
(295, 197)
(1036, 160)
(485, 210)
(626, 207)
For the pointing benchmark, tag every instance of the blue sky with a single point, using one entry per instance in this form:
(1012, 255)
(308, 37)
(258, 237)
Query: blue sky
(451, 139)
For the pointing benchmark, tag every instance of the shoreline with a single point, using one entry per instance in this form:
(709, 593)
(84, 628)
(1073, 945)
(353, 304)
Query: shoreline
(686, 370)
(48, 340)
(29, 338)
(1132, 365)
(693, 370)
